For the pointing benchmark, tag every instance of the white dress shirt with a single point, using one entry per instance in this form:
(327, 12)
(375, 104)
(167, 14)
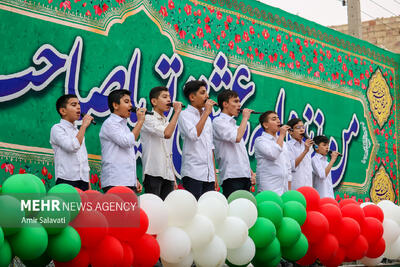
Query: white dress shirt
(197, 151)
(70, 157)
(232, 158)
(273, 164)
(302, 174)
(322, 183)
(156, 149)
(118, 162)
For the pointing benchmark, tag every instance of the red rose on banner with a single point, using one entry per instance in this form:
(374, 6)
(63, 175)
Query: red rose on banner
(188, 9)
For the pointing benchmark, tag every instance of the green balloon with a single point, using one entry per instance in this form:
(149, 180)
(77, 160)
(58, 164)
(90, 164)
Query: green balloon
(64, 246)
(297, 251)
(263, 232)
(289, 232)
(54, 221)
(5, 254)
(295, 210)
(11, 222)
(242, 194)
(293, 195)
(30, 242)
(69, 194)
(269, 252)
(269, 196)
(43, 260)
(37, 181)
(23, 184)
(1, 237)
(269, 263)
(272, 211)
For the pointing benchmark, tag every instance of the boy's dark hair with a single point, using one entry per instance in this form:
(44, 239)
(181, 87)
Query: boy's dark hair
(156, 92)
(320, 139)
(193, 87)
(224, 96)
(264, 117)
(115, 97)
(293, 122)
(62, 102)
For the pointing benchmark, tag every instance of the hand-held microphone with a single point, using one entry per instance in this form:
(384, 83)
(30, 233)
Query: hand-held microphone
(147, 112)
(172, 104)
(253, 112)
(330, 153)
(92, 122)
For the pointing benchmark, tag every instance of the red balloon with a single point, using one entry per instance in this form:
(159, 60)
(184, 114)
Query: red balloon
(91, 226)
(372, 230)
(312, 197)
(327, 247)
(108, 253)
(81, 260)
(146, 251)
(358, 249)
(328, 200)
(125, 193)
(347, 201)
(333, 214)
(377, 249)
(374, 211)
(315, 227)
(353, 211)
(349, 230)
(309, 258)
(128, 256)
(130, 234)
(336, 260)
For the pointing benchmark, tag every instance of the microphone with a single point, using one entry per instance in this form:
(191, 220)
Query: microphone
(305, 135)
(147, 112)
(92, 122)
(253, 112)
(330, 153)
(172, 104)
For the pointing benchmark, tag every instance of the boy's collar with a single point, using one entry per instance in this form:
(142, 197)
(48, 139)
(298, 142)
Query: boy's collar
(64, 121)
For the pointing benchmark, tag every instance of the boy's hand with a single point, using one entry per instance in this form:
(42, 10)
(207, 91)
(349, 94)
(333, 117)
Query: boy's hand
(177, 106)
(246, 113)
(308, 143)
(139, 187)
(334, 155)
(284, 129)
(216, 186)
(141, 113)
(209, 106)
(175, 185)
(253, 178)
(86, 120)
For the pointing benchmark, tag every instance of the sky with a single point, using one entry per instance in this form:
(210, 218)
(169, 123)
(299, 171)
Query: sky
(332, 12)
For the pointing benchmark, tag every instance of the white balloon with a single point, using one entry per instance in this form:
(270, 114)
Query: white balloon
(233, 231)
(200, 231)
(392, 251)
(186, 262)
(371, 261)
(242, 255)
(212, 255)
(181, 207)
(214, 209)
(174, 244)
(156, 211)
(391, 212)
(215, 194)
(391, 231)
(244, 209)
(362, 205)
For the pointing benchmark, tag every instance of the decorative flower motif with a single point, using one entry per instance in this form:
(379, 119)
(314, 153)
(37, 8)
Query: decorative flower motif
(231, 44)
(8, 167)
(182, 34)
(237, 38)
(188, 9)
(66, 5)
(246, 37)
(207, 28)
(200, 33)
(44, 171)
(171, 4)
(163, 11)
(219, 15)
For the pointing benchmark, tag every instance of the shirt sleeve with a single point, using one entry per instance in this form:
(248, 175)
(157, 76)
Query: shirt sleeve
(187, 126)
(292, 158)
(115, 132)
(318, 168)
(59, 137)
(153, 126)
(269, 150)
(224, 131)
(288, 165)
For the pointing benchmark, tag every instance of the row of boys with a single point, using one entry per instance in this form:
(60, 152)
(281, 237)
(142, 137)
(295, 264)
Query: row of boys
(280, 166)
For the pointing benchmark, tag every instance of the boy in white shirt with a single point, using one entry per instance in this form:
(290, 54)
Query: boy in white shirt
(230, 151)
(322, 178)
(300, 155)
(158, 172)
(194, 124)
(273, 164)
(118, 161)
(70, 155)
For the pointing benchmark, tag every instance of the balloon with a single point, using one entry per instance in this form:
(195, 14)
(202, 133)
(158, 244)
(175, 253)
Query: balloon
(125, 193)
(270, 263)
(156, 211)
(346, 201)
(214, 209)
(371, 261)
(372, 230)
(64, 246)
(243, 209)
(242, 194)
(1, 237)
(127, 260)
(309, 258)
(43, 260)
(71, 197)
(336, 260)
(392, 250)
(11, 223)
(296, 251)
(30, 242)
(315, 227)
(129, 234)
(53, 220)
(353, 211)
(181, 207)
(108, 253)
(269, 196)
(263, 232)
(91, 226)
(377, 249)
(186, 262)
(146, 250)
(200, 231)
(373, 211)
(214, 254)
(81, 260)
(5, 254)
(293, 195)
(289, 232)
(174, 244)
(327, 247)
(312, 197)
(233, 231)
(333, 214)
(328, 200)
(214, 194)
(20, 184)
(295, 210)
(358, 249)
(268, 252)
(272, 211)
(391, 231)
(362, 205)
(348, 232)
(390, 210)
(242, 255)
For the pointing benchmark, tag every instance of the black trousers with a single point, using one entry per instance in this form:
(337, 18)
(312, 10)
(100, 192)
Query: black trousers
(196, 187)
(106, 188)
(82, 185)
(158, 186)
(231, 185)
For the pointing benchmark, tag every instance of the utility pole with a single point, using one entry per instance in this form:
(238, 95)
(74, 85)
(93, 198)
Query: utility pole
(354, 18)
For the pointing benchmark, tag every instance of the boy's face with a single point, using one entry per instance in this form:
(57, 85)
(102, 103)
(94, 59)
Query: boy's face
(272, 123)
(199, 98)
(161, 102)
(323, 148)
(123, 108)
(298, 131)
(72, 110)
(232, 106)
